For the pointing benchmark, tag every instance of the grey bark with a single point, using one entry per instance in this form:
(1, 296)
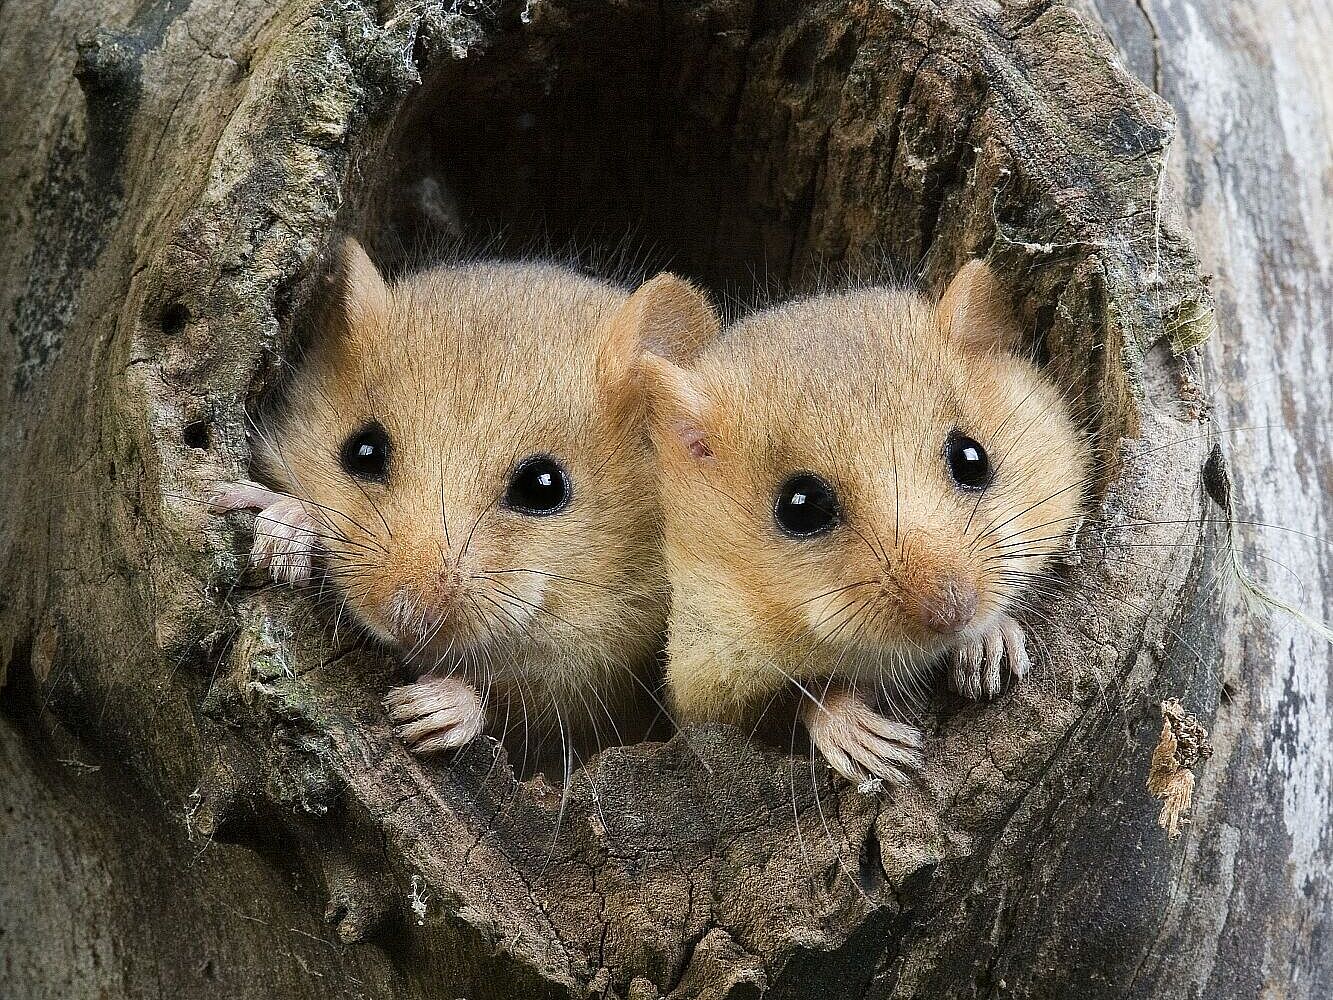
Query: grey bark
(201, 794)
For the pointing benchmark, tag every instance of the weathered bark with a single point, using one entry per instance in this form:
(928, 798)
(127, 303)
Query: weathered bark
(1250, 908)
(197, 776)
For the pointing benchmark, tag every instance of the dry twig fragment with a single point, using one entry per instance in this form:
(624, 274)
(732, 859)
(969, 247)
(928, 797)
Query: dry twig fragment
(1184, 744)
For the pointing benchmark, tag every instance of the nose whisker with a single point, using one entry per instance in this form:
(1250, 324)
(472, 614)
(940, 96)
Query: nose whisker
(473, 530)
(444, 515)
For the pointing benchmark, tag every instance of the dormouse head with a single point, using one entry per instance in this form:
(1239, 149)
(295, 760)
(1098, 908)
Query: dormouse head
(472, 438)
(856, 480)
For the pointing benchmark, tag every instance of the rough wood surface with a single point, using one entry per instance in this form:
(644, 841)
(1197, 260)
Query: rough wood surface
(202, 795)
(1251, 904)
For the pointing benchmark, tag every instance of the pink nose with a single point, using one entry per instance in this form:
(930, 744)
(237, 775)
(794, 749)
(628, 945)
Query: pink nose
(951, 607)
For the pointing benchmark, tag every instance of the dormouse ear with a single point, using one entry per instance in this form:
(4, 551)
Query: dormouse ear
(659, 330)
(668, 322)
(357, 293)
(976, 312)
(676, 321)
(677, 407)
(668, 317)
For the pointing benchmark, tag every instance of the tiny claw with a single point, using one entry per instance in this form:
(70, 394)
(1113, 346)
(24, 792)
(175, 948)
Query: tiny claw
(974, 664)
(859, 743)
(436, 713)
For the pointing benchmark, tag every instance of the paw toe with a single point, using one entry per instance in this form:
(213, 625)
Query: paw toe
(1015, 648)
(967, 667)
(990, 673)
(438, 731)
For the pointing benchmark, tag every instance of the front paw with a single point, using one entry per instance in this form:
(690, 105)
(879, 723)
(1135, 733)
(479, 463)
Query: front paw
(285, 532)
(974, 664)
(859, 743)
(436, 713)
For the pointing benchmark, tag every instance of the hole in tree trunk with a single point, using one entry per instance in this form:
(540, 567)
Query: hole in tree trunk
(175, 318)
(644, 138)
(673, 137)
(757, 157)
(196, 434)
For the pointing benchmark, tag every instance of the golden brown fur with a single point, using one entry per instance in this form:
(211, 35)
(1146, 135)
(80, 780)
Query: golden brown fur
(862, 388)
(471, 369)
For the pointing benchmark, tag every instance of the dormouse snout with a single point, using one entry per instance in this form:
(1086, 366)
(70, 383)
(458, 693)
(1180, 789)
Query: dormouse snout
(425, 600)
(951, 607)
(938, 596)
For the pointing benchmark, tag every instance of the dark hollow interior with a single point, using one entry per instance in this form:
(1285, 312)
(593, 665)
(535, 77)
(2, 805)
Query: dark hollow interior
(753, 155)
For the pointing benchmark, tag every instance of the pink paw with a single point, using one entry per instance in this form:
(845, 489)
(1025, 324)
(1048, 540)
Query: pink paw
(974, 664)
(436, 713)
(286, 535)
(859, 743)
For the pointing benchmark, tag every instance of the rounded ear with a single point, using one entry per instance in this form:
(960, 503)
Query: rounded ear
(671, 323)
(668, 317)
(661, 328)
(358, 294)
(977, 314)
(676, 320)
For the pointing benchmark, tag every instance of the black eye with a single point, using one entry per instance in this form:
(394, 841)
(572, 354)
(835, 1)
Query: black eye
(806, 506)
(366, 453)
(539, 486)
(967, 462)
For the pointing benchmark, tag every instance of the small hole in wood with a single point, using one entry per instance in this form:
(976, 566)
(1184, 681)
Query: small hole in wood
(196, 434)
(175, 318)
(420, 51)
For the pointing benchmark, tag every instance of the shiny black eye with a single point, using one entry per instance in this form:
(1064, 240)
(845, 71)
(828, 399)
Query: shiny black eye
(539, 486)
(365, 454)
(806, 506)
(967, 461)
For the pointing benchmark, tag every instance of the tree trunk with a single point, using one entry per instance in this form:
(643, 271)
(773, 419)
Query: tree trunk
(202, 796)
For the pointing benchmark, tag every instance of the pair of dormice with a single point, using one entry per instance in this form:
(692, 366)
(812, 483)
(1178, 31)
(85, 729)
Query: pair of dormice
(522, 478)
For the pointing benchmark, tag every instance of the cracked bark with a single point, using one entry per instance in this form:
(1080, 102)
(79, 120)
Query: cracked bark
(201, 795)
